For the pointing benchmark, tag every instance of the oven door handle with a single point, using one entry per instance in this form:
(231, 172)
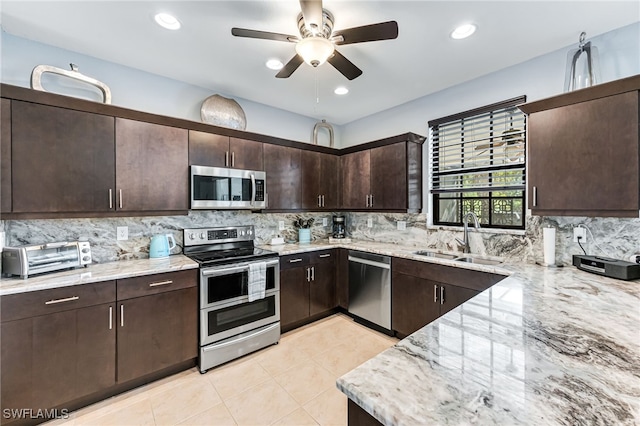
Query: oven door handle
(233, 342)
(225, 271)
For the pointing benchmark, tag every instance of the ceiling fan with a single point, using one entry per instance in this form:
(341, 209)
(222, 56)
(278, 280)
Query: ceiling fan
(317, 41)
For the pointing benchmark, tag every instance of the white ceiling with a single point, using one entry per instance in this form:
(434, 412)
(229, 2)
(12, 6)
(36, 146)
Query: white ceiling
(422, 60)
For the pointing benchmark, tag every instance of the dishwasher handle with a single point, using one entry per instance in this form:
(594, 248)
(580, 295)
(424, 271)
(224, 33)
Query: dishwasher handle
(369, 262)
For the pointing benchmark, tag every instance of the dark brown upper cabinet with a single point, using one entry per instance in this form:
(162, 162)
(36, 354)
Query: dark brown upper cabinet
(208, 149)
(387, 176)
(319, 181)
(282, 166)
(62, 161)
(583, 151)
(152, 172)
(5, 156)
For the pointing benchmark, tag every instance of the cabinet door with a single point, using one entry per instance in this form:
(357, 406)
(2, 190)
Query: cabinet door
(342, 278)
(583, 158)
(5, 155)
(413, 303)
(282, 166)
(389, 177)
(152, 170)
(322, 287)
(452, 296)
(329, 176)
(354, 171)
(62, 160)
(246, 154)
(208, 149)
(155, 332)
(16, 379)
(311, 169)
(294, 295)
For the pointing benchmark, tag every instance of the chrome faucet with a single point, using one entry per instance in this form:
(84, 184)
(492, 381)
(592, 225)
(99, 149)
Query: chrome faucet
(476, 224)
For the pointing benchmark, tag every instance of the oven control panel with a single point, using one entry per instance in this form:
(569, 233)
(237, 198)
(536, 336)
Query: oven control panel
(200, 236)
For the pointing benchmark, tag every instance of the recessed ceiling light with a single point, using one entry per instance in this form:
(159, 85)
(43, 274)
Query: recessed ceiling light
(463, 31)
(341, 90)
(274, 64)
(167, 21)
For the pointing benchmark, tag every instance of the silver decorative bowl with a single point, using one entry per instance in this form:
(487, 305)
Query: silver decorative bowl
(225, 112)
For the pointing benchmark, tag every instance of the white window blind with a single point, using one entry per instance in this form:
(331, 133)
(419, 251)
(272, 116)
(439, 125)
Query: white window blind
(479, 150)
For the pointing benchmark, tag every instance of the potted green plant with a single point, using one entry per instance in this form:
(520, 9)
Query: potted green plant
(304, 229)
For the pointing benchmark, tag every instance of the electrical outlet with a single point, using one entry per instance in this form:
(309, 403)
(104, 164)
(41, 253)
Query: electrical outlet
(369, 223)
(402, 225)
(281, 225)
(324, 221)
(122, 233)
(579, 232)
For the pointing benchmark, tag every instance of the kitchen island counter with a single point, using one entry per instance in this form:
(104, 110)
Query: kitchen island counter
(543, 346)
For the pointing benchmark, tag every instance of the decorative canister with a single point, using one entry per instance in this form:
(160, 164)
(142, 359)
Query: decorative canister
(304, 235)
(221, 111)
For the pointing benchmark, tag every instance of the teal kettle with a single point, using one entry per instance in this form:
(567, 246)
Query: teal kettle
(161, 245)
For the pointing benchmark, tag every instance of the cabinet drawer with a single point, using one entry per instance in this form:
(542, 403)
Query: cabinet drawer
(129, 288)
(294, 261)
(475, 280)
(323, 256)
(41, 302)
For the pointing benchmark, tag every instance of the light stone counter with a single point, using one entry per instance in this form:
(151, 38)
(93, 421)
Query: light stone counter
(96, 273)
(542, 347)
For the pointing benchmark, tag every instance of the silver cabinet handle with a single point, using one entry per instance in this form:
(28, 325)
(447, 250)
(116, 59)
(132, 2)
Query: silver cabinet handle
(308, 274)
(325, 255)
(323, 201)
(313, 273)
(121, 315)
(295, 260)
(110, 199)
(160, 283)
(319, 200)
(120, 197)
(110, 317)
(535, 196)
(367, 200)
(233, 159)
(67, 299)
(441, 295)
(435, 293)
(226, 158)
(371, 204)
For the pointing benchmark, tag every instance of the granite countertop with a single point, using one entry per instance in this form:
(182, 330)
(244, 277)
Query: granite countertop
(543, 346)
(96, 272)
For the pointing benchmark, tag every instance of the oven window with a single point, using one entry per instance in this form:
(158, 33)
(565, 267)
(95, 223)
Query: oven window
(229, 286)
(220, 320)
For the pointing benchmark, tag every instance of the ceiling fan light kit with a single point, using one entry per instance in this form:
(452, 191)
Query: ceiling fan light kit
(317, 41)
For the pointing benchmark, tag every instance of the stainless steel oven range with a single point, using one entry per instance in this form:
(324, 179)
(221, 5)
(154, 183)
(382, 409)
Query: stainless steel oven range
(239, 293)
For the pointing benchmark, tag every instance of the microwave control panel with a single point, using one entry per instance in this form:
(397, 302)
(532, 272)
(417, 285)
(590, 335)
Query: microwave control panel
(259, 190)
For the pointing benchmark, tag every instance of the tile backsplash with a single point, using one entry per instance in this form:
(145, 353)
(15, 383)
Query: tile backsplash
(610, 237)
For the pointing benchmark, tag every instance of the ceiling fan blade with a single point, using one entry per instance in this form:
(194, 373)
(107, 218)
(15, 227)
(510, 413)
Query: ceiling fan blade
(381, 31)
(290, 67)
(345, 66)
(243, 32)
(312, 14)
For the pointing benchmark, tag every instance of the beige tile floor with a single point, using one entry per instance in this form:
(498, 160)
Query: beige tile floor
(292, 383)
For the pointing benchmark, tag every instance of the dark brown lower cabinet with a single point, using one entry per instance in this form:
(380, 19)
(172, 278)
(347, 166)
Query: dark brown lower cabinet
(421, 292)
(52, 359)
(307, 287)
(159, 328)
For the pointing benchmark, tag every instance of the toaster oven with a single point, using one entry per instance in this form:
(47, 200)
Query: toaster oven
(40, 258)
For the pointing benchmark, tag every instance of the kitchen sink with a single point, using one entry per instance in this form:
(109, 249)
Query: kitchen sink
(478, 260)
(431, 253)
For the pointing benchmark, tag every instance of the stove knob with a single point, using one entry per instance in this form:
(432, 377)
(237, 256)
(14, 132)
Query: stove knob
(85, 250)
(191, 236)
(202, 235)
(242, 233)
(86, 259)
(249, 232)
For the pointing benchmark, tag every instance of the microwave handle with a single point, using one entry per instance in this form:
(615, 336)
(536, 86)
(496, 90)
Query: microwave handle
(253, 189)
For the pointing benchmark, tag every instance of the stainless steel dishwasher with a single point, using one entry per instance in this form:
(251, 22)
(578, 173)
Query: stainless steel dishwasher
(370, 288)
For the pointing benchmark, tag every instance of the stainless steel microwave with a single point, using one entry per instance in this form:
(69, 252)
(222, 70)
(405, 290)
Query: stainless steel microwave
(222, 188)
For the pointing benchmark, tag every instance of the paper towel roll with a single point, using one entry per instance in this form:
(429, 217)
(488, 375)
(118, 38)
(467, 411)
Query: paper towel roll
(549, 239)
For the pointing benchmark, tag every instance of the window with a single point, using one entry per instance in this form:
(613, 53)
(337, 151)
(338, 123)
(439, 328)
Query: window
(478, 165)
